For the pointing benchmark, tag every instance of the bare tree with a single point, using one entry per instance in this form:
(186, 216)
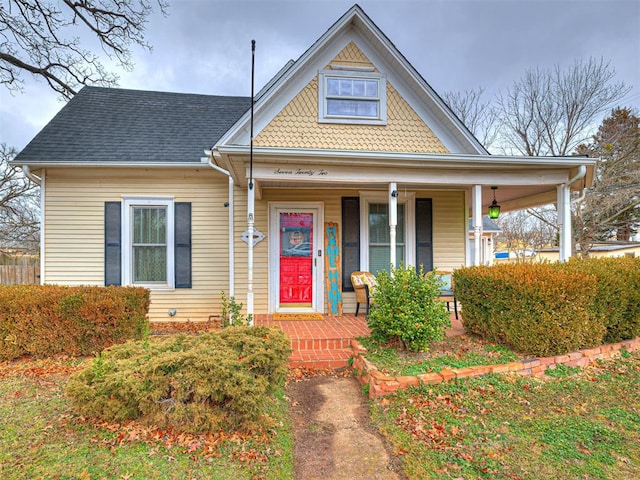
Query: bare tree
(19, 206)
(42, 37)
(525, 232)
(550, 112)
(479, 116)
(611, 208)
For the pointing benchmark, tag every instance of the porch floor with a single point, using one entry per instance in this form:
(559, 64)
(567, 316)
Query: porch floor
(327, 343)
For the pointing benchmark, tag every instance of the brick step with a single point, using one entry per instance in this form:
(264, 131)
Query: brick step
(320, 358)
(320, 344)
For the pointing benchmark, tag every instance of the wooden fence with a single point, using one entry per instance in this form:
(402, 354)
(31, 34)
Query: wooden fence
(19, 274)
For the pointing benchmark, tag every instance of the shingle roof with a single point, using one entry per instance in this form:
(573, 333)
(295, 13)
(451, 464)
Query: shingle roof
(488, 225)
(117, 125)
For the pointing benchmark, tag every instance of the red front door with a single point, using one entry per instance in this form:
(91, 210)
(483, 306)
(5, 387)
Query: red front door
(296, 259)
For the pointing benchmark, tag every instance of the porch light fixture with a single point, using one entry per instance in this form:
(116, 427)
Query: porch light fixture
(494, 208)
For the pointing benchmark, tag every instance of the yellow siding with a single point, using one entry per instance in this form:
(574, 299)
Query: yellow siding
(449, 235)
(297, 126)
(75, 239)
(449, 230)
(75, 223)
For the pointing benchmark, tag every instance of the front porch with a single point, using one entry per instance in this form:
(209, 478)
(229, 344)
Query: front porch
(327, 343)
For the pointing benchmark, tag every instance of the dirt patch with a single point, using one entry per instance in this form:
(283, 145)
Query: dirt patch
(333, 436)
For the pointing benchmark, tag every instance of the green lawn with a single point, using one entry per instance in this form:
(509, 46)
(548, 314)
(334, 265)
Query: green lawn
(580, 425)
(41, 437)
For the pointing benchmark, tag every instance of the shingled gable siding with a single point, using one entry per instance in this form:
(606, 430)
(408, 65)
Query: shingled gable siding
(75, 249)
(297, 126)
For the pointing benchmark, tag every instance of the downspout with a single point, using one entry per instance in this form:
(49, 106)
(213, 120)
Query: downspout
(229, 205)
(40, 181)
(31, 176)
(565, 223)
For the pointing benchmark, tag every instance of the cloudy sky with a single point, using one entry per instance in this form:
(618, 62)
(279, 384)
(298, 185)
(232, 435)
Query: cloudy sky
(204, 46)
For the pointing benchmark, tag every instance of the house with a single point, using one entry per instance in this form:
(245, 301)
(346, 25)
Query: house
(490, 230)
(348, 161)
(598, 250)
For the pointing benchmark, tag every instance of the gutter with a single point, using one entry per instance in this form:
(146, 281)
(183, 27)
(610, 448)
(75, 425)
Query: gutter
(358, 157)
(229, 205)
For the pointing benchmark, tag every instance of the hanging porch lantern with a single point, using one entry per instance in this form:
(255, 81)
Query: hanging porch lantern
(494, 208)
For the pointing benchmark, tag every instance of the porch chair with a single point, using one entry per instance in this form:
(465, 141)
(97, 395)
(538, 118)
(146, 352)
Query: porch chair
(447, 291)
(363, 285)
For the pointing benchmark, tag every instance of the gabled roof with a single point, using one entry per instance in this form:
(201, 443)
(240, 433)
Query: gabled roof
(355, 24)
(109, 125)
(488, 225)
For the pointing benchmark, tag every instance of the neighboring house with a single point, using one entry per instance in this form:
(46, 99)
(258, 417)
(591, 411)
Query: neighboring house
(490, 230)
(599, 250)
(356, 163)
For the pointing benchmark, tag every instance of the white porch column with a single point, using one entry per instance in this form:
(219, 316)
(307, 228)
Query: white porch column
(393, 221)
(476, 207)
(564, 222)
(250, 230)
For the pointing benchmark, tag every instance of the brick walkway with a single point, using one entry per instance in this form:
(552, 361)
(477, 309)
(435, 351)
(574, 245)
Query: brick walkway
(327, 343)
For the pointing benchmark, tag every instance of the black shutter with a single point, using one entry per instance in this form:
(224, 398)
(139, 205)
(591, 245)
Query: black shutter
(424, 234)
(350, 240)
(112, 243)
(182, 212)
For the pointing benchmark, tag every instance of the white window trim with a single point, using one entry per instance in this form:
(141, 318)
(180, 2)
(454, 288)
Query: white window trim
(127, 257)
(322, 100)
(405, 198)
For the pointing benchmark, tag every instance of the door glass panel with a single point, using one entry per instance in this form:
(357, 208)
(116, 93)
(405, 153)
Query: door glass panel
(296, 259)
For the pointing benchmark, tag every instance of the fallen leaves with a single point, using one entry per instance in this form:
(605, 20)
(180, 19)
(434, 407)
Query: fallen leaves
(189, 327)
(40, 368)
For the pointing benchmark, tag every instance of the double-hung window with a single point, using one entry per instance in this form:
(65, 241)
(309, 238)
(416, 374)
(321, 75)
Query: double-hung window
(352, 97)
(379, 237)
(375, 236)
(148, 253)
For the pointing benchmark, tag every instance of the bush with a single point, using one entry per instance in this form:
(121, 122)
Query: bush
(406, 308)
(45, 320)
(617, 298)
(211, 382)
(539, 309)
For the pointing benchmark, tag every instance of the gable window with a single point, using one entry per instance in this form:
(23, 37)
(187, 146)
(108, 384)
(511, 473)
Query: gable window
(148, 242)
(352, 97)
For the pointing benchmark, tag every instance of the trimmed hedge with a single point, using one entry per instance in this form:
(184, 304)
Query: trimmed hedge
(617, 298)
(45, 320)
(211, 382)
(548, 309)
(539, 309)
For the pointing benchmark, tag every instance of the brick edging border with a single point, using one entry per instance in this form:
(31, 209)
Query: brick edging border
(381, 384)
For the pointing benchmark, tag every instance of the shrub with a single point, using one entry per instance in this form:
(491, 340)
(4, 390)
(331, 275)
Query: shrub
(211, 382)
(231, 312)
(45, 320)
(617, 298)
(538, 309)
(406, 308)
